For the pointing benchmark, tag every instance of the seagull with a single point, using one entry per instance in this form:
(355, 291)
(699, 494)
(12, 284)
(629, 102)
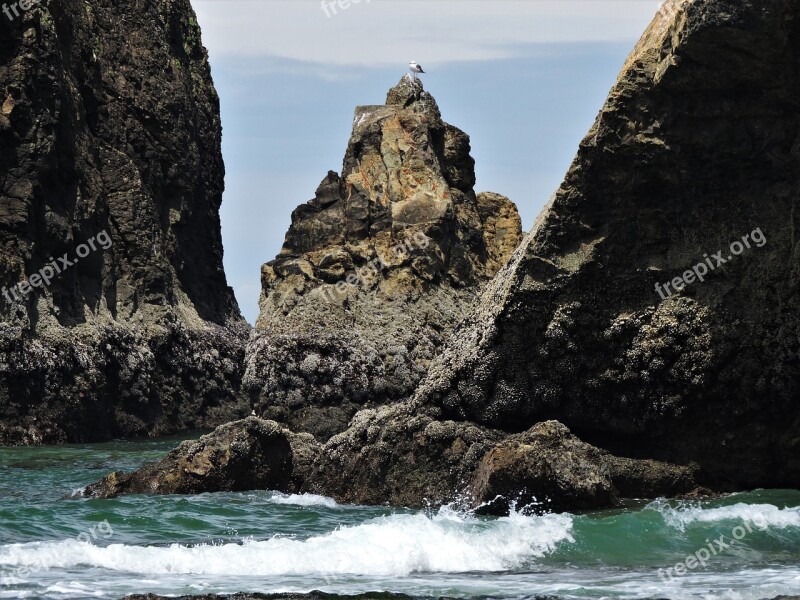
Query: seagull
(415, 68)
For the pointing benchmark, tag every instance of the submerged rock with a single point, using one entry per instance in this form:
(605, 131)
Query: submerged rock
(376, 269)
(251, 454)
(112, 174)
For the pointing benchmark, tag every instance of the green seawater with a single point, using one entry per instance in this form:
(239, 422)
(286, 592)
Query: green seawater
(53, 546)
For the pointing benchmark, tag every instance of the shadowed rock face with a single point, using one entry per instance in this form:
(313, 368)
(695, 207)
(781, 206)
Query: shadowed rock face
(110, 125)
(697, 146)
(549, 469)
(376, 269)
(407, 455)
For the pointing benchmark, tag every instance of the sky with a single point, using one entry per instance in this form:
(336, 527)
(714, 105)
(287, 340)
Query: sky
(524, 78)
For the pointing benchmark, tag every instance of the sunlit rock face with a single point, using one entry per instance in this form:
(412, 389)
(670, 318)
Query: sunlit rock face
(376, 269)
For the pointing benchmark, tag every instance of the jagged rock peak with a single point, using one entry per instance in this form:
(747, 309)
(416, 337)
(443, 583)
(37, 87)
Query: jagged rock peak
(377, 268)
(408, 91)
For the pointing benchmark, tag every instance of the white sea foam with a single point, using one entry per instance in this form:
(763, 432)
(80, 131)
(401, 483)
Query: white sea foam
(302, 500)
(760, 515)
(394, 545)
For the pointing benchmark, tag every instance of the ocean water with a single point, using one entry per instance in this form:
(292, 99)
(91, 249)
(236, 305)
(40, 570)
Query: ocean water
(55, 547)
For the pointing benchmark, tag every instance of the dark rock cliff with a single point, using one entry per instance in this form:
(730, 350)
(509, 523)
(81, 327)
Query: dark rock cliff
(110, 138)
(696, 153)
(377, 269)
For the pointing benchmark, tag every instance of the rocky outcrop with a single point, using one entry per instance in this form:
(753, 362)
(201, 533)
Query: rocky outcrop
(548, 469)
(376, 269)
(653, 308)
(406, 458)
(404, 454)
(116, 319)
(257, 454)
(251, 454)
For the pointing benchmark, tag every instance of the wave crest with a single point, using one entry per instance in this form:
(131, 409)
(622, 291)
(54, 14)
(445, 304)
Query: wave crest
(394, 545)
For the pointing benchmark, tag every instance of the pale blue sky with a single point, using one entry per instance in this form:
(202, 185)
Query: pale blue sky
(524, 78)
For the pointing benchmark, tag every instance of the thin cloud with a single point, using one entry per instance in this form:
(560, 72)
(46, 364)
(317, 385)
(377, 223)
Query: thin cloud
(385, 32)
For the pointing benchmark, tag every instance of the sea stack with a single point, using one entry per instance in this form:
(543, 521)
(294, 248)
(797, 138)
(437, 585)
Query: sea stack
(117, 319)
(377, 269)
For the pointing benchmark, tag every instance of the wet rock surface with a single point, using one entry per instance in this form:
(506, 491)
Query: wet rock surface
(110, 127)
(402, 456)
(377, 269)
(406, 456)
(548, 469)
(546, 466)
(244, 455)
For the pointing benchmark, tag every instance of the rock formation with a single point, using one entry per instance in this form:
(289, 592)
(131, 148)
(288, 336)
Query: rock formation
(239, 456)
(695, 152)
(543, 469)
(549, 468)
(407, 455)
(110, 158)
(652, 310)
(688, 182)
(376, 269)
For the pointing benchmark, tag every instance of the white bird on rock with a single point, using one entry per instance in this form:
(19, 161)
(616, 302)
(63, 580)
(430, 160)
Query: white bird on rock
(415, 68)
